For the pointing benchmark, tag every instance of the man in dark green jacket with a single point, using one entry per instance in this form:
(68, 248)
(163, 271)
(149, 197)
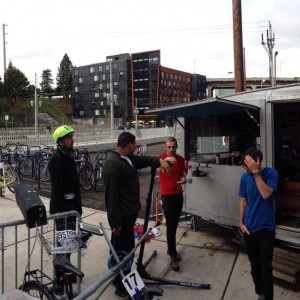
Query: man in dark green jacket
(122, 194)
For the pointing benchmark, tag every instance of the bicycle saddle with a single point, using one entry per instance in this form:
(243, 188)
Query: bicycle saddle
(62, 262)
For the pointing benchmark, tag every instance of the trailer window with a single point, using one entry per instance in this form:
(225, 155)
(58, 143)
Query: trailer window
(221, 134)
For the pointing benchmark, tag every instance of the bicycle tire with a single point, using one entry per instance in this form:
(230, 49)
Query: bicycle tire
(12, 173)
(85, 176)
(26, 165)
(44, 170)
(97, 181)
(36, 289)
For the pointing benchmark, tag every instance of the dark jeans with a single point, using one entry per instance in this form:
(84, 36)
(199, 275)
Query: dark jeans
(172, 205)
(124, 242)
(260, 246)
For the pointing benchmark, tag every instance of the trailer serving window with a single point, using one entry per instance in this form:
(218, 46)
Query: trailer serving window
(217, 126)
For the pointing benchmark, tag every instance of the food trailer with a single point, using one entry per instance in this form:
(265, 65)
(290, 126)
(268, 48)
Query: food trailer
(213, 134)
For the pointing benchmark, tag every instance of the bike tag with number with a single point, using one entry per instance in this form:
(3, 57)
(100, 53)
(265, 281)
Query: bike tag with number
(132, 281)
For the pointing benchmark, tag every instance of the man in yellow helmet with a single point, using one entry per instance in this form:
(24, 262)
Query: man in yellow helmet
(65, 193)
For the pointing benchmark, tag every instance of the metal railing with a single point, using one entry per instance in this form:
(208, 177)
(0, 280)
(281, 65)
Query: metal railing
(21, 250)
(82, 137)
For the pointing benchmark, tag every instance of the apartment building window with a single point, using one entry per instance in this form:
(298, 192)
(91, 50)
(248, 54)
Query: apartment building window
(76, 89)
(80, 79)
(97, 112)
(107, 85)
(116, 83)
(76, 72)
(122, 74)
(115, 66)
(92, 69)
(96, 77)
(81, 113)
(100, 86)
(103, 77)
(97, 95)
(100, 68)
(101, 103)
(107, 67)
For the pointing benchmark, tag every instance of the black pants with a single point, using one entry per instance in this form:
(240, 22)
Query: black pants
(172, 205)
(124, 242)
(260, 246)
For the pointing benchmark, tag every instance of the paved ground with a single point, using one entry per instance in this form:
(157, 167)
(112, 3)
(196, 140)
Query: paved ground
(209, 256)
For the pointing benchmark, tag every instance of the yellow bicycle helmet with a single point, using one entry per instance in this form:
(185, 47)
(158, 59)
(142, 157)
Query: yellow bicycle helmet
(62, 131)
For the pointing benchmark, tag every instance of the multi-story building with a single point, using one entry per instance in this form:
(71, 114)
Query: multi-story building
(92, 84)
(139, 82)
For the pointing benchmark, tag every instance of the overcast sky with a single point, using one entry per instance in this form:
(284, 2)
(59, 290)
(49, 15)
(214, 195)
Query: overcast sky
(193, 35)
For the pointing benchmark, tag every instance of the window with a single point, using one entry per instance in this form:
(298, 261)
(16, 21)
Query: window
(116, 83)
(97, 112)
(115, 66)
(100, 68)
(107, 67)
(101, 103)
(103, 77)
(122, 74)
(97, 95)
(92, 69)
(96, 78)
(76, 72)
(76, 89)
(100, 86)
(81, 113)
(80, 79)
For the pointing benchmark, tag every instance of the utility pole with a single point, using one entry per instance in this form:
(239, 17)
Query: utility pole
(269, 48)
(111, 98)
(238, 46)
(4, 51)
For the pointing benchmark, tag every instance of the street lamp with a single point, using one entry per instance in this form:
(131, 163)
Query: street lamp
(111, 98)
(36, 104)
(6, 119)
(136, 112)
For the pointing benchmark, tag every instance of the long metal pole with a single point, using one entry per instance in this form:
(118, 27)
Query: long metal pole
(111, 98)
(4, 51)
(36, 107)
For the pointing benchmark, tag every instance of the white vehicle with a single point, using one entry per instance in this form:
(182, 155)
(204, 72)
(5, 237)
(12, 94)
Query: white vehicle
(213, 134)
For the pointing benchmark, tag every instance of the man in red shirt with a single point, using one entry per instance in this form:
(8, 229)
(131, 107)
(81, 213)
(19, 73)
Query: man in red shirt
(172, 195)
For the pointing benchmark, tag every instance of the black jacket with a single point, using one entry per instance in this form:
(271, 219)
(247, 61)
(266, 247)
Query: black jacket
(65, 195)
(122, 187)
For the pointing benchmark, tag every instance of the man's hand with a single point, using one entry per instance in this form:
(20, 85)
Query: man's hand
(117, 230)
(244, 229)
(170, 159)
(164, 166)
(251, 164)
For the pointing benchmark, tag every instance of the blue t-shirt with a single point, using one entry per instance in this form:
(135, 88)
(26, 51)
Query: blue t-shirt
(259, 212)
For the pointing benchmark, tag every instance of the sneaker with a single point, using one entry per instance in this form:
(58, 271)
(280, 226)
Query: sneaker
(122, 294)
(174, 264)
(178, 256)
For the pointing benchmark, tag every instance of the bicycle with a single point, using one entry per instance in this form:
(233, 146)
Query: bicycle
(42, 286)
(92, 177)
(8, 177)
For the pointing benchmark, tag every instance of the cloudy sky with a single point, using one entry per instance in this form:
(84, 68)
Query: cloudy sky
(193, 35)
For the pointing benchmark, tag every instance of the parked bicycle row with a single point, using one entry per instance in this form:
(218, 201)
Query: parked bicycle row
(20, 160)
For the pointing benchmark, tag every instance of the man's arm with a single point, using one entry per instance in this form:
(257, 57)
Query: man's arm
(242, 226)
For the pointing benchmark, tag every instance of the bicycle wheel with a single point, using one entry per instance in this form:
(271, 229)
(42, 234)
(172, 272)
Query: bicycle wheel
(44, 171)
(12, 178)
(85, 176)
(98, 183)
(36, 289)
(26, 165)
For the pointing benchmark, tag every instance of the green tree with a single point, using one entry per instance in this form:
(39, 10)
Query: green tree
(15, 84)
(46, 82)
(64, 77)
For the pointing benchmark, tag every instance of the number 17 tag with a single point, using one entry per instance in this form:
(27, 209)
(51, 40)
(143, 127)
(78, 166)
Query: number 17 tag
(132, 281)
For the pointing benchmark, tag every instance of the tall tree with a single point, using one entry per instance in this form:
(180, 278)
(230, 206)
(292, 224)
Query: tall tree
(64, 76)
(46, 82)
(15, 83)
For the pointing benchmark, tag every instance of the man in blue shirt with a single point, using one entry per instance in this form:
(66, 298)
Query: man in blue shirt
(257, 219)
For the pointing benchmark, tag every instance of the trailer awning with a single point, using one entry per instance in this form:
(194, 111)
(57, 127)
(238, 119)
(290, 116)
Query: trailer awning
(209, 107)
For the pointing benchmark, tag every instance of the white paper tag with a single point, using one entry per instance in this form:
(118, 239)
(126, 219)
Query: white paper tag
(132, 281)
